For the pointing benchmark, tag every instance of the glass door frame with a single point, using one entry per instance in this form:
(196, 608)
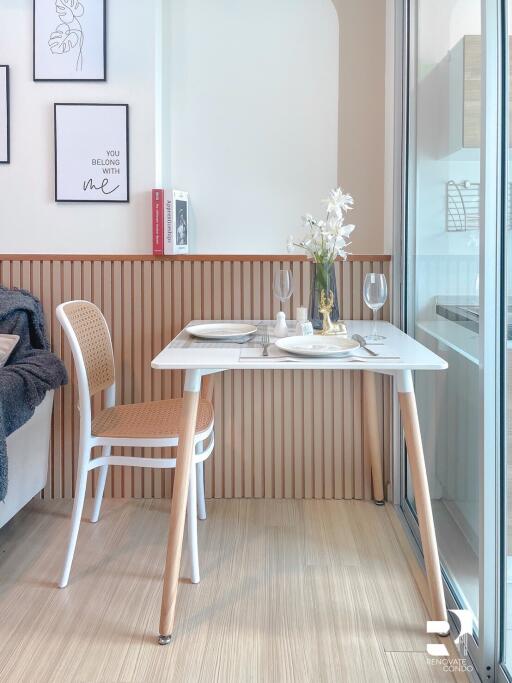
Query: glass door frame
(485, 649)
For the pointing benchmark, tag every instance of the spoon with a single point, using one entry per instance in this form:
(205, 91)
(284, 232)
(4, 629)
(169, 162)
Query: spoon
(363, 344)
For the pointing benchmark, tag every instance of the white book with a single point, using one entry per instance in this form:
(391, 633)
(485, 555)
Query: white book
(176, 227)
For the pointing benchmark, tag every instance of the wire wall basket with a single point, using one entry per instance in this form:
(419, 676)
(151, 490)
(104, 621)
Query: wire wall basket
(462, 206)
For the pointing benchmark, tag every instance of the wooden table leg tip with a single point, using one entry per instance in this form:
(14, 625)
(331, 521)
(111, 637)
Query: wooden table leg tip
(164, 640)
(380, 502)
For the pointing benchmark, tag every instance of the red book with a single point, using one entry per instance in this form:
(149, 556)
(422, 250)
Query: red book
(157, 197)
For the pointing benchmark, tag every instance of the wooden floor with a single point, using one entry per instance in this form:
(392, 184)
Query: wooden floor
(291, 591)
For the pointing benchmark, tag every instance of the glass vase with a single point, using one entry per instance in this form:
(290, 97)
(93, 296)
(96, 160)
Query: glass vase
(323, 278)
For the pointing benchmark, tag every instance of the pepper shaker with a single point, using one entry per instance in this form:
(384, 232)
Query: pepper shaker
(280, 329)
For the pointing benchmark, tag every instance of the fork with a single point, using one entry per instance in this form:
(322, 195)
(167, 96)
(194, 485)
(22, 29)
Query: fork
(265, 341)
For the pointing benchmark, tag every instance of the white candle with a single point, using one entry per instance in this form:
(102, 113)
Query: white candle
(303, 326)
(301, 314)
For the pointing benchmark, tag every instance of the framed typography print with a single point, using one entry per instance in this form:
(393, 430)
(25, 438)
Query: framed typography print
(91, 153)
(4, 115)
(69, 40)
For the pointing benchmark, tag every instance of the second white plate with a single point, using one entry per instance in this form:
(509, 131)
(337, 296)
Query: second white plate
(221, 330)
(317, 346)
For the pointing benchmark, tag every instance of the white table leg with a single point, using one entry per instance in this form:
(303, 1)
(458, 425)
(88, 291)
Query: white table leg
(179, 503)
(407, 399)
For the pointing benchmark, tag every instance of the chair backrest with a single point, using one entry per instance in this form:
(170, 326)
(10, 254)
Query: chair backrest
(89, 338)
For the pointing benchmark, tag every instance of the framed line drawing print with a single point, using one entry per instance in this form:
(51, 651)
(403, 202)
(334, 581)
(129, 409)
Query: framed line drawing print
(69, 40)
(5, 144)
(91, 153)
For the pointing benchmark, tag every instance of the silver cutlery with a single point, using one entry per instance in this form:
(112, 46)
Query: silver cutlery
(265, 342)
(363, 344)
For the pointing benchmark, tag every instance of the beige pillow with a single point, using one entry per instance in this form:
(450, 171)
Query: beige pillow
(7, 344)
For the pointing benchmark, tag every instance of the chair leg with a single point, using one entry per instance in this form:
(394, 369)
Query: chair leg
(76, 516)
(201, 503)
(101, 486)
(192, 526)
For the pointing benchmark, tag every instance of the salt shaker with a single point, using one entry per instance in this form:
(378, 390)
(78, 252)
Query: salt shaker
(280, 329)
(303, 326)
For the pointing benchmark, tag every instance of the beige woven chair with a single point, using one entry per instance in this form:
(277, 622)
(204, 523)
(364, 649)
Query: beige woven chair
(154, 424)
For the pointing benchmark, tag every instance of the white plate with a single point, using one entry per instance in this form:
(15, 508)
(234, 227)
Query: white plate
(221, 330)
(317, 346)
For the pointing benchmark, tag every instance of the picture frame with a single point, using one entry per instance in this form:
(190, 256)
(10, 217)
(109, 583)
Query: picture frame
(5, 123)
(92, 152)
(69, 39)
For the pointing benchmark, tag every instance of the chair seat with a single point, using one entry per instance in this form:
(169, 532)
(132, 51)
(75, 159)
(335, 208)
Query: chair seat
(151, 420)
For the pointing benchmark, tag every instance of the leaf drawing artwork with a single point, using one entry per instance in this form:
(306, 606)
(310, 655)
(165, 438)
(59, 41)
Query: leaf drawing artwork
(69, 34)
(69, 39)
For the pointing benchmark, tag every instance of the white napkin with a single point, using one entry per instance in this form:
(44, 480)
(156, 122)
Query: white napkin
(275, 354)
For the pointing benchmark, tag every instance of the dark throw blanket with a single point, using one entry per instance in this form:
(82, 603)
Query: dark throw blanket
(31, 370)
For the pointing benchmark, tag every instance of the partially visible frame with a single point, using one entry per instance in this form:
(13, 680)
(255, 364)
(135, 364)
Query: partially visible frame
(60, 30)
(5, 124)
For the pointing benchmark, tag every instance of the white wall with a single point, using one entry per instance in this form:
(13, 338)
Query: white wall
(362, 116)
(290, 150)
(30, 220)
(254, 124)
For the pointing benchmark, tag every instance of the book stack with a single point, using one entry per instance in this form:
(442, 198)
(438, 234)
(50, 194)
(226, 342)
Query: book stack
(170, 222)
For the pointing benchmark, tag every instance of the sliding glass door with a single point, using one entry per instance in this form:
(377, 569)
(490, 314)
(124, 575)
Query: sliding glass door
(444, 273)
(454, 300)
(506, 384)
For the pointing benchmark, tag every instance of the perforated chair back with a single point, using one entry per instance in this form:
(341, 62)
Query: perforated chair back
(94, 344)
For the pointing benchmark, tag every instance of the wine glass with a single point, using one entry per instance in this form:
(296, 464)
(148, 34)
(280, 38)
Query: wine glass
(375, 293)
(283, 285)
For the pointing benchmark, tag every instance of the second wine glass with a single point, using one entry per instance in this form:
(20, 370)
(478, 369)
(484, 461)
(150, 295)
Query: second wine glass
(375, 294)
(283, 285)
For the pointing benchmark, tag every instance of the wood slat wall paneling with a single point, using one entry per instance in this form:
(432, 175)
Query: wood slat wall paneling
(279, 434)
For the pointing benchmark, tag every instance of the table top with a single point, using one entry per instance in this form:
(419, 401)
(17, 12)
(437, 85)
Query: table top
(398, 351)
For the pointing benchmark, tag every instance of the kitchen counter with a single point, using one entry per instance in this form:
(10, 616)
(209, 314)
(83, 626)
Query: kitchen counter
(457, 337)
(466, 314)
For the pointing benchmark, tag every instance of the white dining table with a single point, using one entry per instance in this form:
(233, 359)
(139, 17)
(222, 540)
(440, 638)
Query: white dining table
(399, 355)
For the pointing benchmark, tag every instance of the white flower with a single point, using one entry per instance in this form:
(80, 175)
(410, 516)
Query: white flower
(347, 229)
(326, 239)
(338, 202)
